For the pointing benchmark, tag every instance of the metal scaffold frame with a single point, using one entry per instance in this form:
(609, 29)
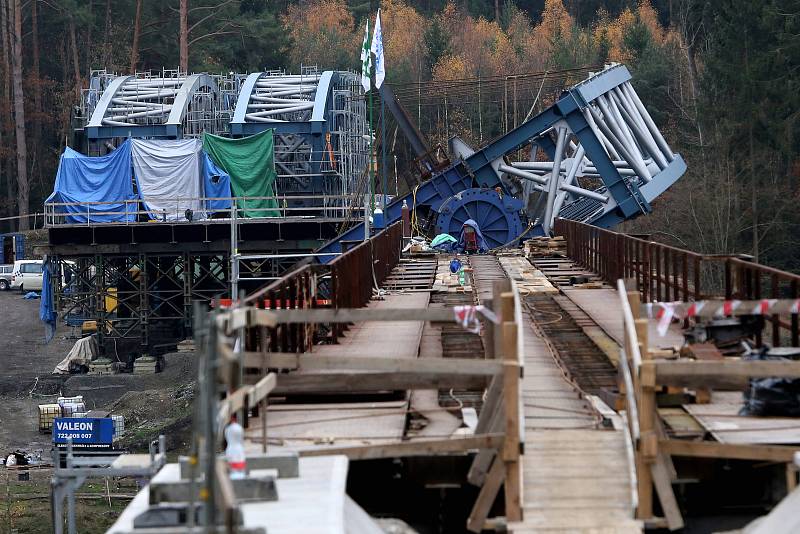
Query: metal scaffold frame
(141, 302)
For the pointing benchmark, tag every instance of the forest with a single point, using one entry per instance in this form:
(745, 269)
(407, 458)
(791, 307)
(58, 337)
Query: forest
(720, 78)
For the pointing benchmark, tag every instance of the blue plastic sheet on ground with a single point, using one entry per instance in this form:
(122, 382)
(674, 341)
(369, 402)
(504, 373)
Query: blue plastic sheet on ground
(84, 181)
(217, 184)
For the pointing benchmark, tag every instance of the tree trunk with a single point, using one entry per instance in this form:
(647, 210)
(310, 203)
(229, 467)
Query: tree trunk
(107, 37)
(19, 119)
(37, 82)
(497, 11)
(76, 63)
(5, 109)
(184, 35)
(89, 25)
(137, 28)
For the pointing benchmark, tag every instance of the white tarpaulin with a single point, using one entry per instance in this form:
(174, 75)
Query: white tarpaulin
(168, 174)
(82, 353)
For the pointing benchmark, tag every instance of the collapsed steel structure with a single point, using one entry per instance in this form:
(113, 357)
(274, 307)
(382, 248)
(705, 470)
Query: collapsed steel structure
(596, 157)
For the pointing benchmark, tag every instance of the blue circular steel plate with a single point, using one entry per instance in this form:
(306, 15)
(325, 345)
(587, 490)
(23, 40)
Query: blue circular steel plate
(498, 218)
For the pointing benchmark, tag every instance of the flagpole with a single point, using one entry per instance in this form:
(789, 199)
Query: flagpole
(371, 151)
(383, 157)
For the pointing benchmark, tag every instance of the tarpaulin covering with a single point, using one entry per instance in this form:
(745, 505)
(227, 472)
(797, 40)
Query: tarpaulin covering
(169, 178)
(217, 184)
(481, 242)
(47, 312)
(250, 162)
(83, 180)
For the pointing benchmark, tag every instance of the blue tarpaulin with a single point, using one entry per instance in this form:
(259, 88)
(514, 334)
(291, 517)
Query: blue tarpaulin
(482, 246)
(216, 184)
(83, 180)
(47, 312)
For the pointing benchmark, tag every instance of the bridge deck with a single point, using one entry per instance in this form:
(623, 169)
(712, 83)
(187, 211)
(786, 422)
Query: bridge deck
(576, 472)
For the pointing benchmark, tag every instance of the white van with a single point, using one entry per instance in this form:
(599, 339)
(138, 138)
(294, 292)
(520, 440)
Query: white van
(27, 275)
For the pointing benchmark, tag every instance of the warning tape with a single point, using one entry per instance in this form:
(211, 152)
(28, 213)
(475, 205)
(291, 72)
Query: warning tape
(721, 308)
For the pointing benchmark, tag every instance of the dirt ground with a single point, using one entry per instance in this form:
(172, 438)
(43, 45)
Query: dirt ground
(153, 403)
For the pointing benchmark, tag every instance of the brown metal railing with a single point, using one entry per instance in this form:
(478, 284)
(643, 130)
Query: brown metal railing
(357, 271)
(346, 282)
(664, 273)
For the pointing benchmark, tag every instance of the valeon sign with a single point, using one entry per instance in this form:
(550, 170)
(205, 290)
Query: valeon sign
(83, 430)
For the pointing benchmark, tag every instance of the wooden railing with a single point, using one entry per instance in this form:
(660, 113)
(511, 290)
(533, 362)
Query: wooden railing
(498, 438)
(664, 273)
(653, 449)
(346, 282)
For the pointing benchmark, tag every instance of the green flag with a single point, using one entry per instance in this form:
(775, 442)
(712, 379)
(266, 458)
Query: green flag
(366, 60)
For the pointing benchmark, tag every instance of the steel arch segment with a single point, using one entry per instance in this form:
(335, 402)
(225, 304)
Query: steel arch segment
(319, 113)
(102, 104)
(181, 103)
(244, 99)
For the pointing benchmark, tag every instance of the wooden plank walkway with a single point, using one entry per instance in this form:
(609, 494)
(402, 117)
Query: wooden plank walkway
(604, 307)
(576, 475)
(313, 426)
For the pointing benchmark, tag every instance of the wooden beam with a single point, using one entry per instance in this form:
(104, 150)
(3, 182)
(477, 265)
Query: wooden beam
(486, 497)
(730, 451)
(297, 383)
(427, 447)
(317, 362)
(675, 372)
(660, 474)
(513, 415)
(245, 317)
(490, 420)
(227, 496)
(261, 389)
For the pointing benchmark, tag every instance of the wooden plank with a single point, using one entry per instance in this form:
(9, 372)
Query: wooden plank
(723, 421)
(659, 471)
(412, 448)
(370, 382)
(511, 401)
(486, 497)
(354, 315)
(673, 373)
(226, 495)
(261, 389)
(713, 449)
(316, 362)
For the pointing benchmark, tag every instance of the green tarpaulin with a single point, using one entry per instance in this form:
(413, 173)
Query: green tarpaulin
(250, 163)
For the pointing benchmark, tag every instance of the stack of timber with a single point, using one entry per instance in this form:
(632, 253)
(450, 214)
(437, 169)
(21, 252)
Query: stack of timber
(528, 278)
(446, 281)
(545, 246)
(102, 366)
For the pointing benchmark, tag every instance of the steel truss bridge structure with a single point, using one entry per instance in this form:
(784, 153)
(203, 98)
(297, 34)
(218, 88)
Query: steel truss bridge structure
(138, 279)
(597, 157)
